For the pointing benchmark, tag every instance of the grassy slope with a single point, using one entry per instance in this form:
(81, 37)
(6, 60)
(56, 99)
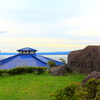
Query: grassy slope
(33, 87)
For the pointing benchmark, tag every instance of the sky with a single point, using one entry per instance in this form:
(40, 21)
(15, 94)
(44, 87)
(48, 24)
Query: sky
(49, 25)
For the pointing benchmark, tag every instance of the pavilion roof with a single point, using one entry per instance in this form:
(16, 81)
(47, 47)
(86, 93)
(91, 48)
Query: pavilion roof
(27, 49)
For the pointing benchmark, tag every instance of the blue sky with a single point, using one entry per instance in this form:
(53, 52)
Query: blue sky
(49, 25)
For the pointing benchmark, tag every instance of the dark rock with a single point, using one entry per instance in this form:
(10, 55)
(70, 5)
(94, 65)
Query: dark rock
(94, 74)
(57, 71)
(86, 60)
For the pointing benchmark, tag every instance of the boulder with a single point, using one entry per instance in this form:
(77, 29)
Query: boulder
(94, 74)
(59, 70)
(86, 60)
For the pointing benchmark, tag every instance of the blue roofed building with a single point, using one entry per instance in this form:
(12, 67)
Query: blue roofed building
(26, 57)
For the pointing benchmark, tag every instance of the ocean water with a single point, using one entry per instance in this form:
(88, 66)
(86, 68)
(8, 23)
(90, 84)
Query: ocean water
(55, 57)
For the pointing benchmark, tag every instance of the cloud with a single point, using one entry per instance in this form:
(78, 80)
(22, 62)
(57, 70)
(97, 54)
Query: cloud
(85, 32)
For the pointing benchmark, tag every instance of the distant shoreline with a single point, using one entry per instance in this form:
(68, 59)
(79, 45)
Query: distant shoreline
(41, 53)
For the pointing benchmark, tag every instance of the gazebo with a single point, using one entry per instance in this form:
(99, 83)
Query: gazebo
(26, 57)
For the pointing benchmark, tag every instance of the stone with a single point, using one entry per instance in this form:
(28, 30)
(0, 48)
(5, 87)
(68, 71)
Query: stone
(86, 60)
(94, 74)
(59, 70)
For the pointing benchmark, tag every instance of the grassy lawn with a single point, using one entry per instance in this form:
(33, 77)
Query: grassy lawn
(33, 87)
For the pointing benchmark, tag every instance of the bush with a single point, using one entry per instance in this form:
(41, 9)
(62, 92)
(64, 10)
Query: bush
(68, 69)
(51, 63)
(2, 72)
(63, 60)
(40, 70)
(21, 70)
(67, 93)
(30, 69)
(15, 71)
(75, 91)
(90, 90)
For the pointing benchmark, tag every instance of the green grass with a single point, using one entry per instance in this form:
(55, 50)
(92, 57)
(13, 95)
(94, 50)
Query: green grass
(34, 87)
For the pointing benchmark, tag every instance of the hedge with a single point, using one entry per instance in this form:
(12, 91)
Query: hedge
(21, 70)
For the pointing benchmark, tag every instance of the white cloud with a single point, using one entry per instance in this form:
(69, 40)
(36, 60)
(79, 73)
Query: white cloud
(85, 32)
(81, 22)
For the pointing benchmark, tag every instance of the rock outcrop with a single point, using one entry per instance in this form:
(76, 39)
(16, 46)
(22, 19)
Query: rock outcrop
(86, 60)
(57, 71)
(94, 74)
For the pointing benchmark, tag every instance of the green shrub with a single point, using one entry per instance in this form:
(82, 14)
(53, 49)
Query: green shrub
(30, 69)
(75, 91)
(21, 70)
(63, 60)
(67, 93)
(90, 90)
(2, 72)
(91, 87)
(68, 69)
(40, 70)
(15, 71)
(51, 63)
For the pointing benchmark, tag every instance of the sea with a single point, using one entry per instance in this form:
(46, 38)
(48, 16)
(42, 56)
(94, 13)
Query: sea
(55, 57)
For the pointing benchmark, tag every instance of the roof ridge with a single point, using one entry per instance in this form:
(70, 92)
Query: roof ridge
(38, 59)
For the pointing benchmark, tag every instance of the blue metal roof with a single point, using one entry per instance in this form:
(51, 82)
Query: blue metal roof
(26, 60)
(26, 49)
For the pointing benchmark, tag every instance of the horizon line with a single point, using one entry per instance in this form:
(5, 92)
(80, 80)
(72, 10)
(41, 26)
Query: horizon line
(41, 53)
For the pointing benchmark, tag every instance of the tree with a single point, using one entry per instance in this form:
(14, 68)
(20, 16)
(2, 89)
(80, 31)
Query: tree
(51, 63)
(62, 60)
